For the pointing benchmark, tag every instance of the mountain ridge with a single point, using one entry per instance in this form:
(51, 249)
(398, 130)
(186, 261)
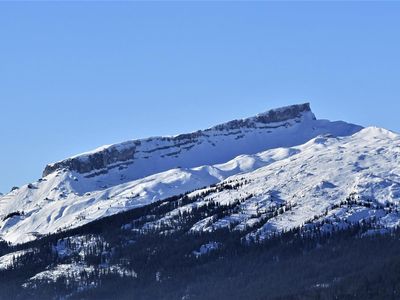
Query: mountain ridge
(315, 187)
(123, 152)
(68, 197)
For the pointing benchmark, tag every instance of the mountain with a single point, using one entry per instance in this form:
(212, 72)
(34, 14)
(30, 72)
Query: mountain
(115, 178)
(222, 213)
(284, 127)
(328, 182)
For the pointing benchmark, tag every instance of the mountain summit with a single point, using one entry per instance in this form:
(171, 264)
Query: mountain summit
(162, 153)
(148, 216)
(295, 123)
(119, 177)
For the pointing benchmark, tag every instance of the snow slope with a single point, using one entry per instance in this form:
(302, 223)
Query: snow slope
(120, 177)
(284, 127)
(328, 182)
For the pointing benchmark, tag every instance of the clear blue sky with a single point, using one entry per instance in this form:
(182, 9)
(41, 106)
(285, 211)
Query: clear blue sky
(74, 76)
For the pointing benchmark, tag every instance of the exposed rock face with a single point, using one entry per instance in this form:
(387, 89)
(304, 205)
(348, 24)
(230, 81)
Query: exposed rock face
(126, 153)
(95, 161)
(272, 116)
(276, 157)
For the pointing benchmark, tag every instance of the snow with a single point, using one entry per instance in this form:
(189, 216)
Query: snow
(65, 199)
(322, 173)
(62, 270)
(206, 248)
(303, 109)
(303, 168)
(73, 270)
(141, 158)
(314, 175)
(77, 245)
(6, 261)
(72, 251)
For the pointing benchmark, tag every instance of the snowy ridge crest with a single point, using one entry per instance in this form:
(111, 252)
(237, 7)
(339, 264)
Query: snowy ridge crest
(284, 159)
(126, 152)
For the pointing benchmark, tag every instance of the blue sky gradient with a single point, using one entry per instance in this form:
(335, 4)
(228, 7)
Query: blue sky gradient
(77, 75)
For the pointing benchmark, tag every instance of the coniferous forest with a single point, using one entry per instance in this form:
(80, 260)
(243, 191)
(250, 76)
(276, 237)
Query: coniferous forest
(110, 258)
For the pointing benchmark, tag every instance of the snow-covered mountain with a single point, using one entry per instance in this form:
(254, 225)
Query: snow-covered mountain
(171, 217)
(328, 182)
(308, 172)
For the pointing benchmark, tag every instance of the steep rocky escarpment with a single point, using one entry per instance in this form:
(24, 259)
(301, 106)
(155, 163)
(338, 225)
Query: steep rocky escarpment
(170, 147)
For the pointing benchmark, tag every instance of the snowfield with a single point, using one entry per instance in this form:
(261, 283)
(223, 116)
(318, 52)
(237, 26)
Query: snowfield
(341, 180)
(6, 261)
(314, 172)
